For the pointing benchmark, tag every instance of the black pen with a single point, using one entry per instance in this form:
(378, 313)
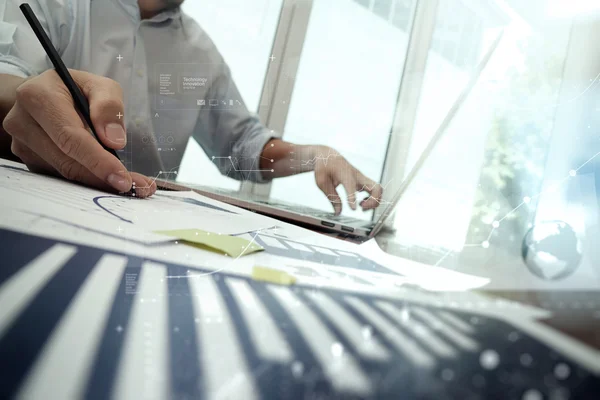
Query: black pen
(80, 101)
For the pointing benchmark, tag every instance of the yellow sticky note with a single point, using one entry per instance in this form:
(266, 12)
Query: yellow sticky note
(230, 245)
(271, 275)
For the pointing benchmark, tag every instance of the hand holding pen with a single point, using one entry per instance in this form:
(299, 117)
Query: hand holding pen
(48, 125)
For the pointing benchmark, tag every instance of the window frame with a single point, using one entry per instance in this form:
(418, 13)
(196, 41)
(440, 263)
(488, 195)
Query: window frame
(279, 87)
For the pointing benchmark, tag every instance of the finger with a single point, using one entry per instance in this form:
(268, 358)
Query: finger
(69, 169)
(106, 107)
(349, 184)
(152, 183)
(76, 172)
(40, 154)
(44, 149)
(326, 185)
(375, 191)
(144, 186)
(57, 117)
(34, 162)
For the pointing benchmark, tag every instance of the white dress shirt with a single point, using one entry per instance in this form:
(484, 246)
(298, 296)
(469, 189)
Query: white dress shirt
(175, 82)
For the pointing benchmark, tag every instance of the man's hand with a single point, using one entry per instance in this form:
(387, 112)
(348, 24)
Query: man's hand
(49, 136)
(332, 170)
(279, 158)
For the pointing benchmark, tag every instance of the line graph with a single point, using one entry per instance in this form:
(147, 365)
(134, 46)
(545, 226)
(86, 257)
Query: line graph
(323, 159)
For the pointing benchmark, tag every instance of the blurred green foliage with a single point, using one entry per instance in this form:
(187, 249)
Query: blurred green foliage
(518, 142)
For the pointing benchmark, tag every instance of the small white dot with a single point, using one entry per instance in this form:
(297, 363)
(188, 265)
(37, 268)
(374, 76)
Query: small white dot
(272, 160)
(562, 371)
(572, 172)
(447, 374)
(496, 224)
(526, 199)
(526, 359)
(489, 359)
(532, 394)
(405, 315)
(367, 332)
(229, 157)
(119, 329)
(272, 170)
(485, 244)
(272, 145)
(297, 369)
(337, 349)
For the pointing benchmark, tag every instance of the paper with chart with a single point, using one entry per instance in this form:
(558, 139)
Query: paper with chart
(314, 263)
(332, 333)
(314, 258)
(114, 215)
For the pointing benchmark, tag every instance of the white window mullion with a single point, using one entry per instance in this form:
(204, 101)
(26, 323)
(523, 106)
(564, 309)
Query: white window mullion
(281, 74)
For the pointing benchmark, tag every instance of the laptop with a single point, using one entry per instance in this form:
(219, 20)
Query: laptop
(349, 226)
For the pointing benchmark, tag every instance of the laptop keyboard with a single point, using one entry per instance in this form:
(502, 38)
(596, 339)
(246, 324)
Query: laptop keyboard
(313, 212)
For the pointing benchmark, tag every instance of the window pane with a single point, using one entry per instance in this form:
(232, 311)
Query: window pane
(436, 210)
(403, 14)
(243, 31)
(477, 193)
(382, 8)
(345, 93)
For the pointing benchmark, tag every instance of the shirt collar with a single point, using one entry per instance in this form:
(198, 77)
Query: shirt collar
(132, 9)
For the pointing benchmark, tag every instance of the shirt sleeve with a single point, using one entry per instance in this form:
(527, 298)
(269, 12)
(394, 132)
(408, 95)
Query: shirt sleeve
(21, 53)
(231, 133)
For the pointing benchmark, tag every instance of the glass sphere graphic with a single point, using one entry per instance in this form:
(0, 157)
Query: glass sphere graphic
(552, 250)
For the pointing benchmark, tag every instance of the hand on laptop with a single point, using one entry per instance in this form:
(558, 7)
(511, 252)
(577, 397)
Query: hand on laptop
(335, 170)
(280, 158)
(49, 136)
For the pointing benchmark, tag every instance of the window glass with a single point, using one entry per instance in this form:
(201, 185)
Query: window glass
(402, 14)
(244, 32)
(478, 193)
(345, 93)
(382, 8)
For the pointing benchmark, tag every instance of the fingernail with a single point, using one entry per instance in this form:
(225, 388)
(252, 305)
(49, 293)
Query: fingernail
(115, 133)
(119, 182)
